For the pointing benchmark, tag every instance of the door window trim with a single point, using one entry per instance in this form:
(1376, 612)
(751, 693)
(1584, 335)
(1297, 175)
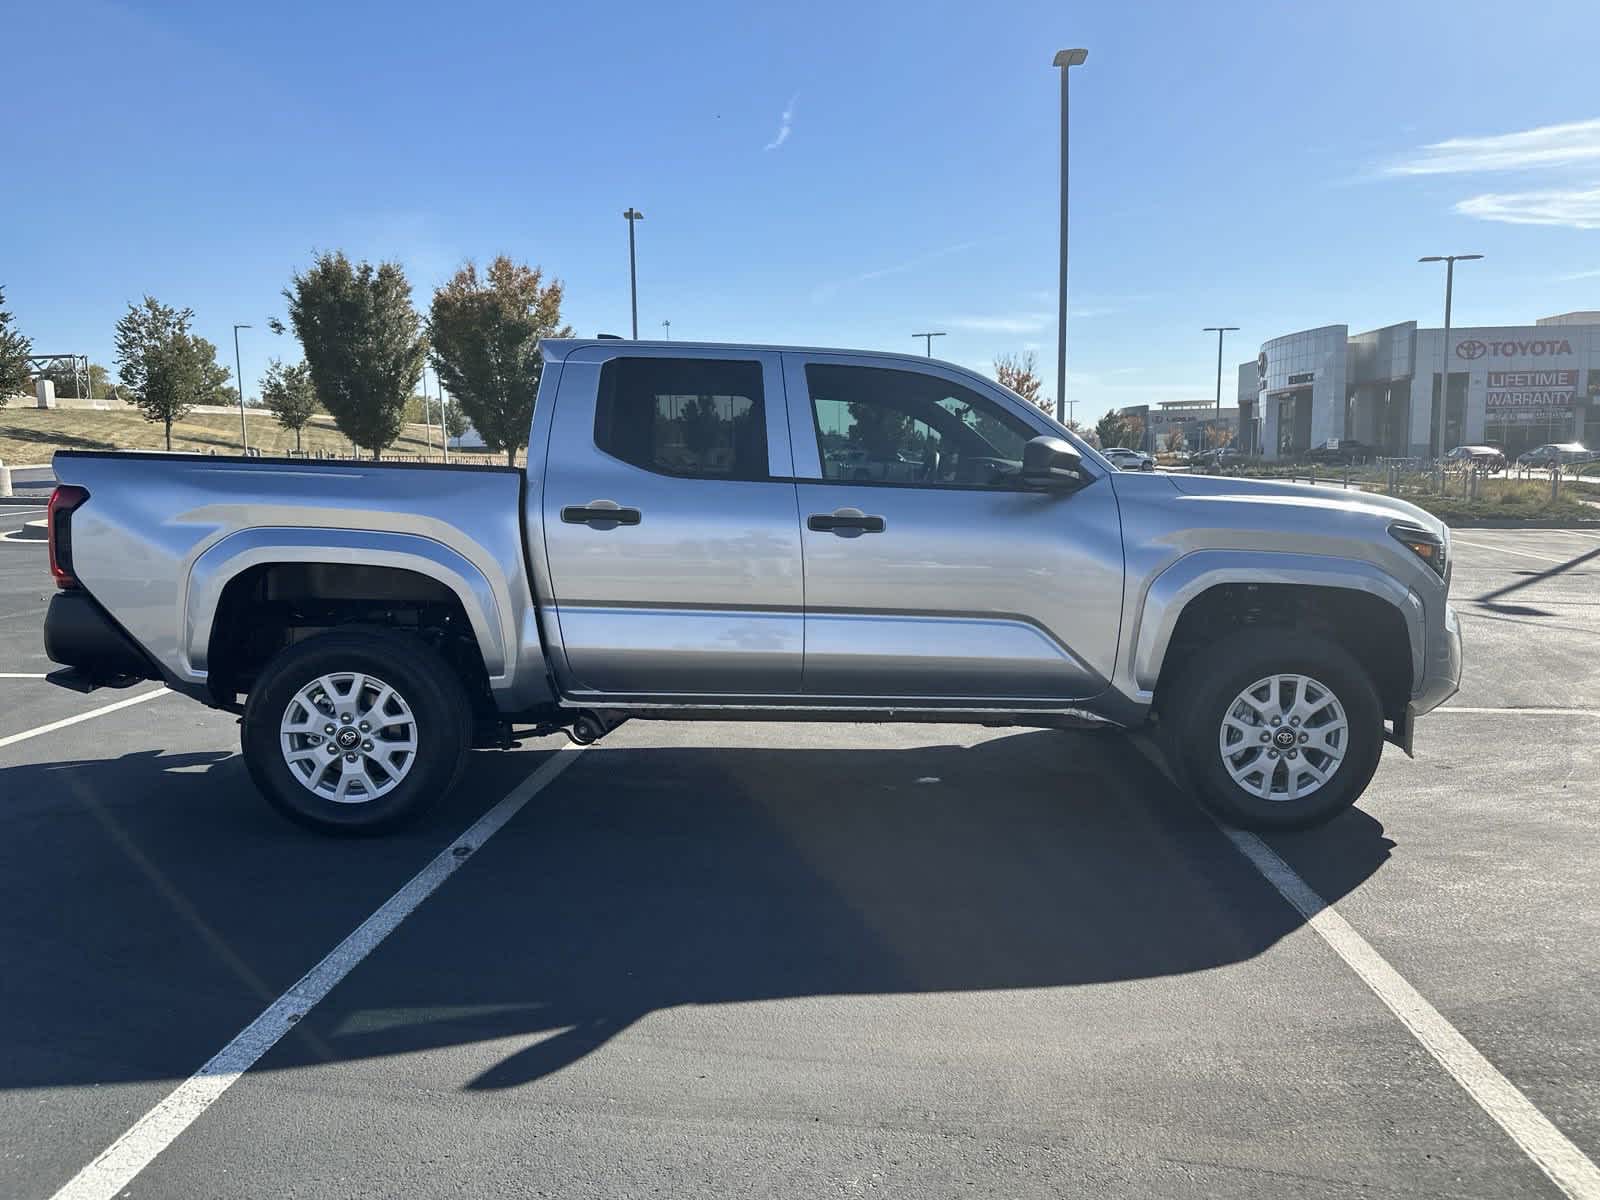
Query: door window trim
(805, 437)
(780, 463)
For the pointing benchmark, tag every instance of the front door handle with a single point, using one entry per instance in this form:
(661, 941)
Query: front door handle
(600, 514)
(844, 522)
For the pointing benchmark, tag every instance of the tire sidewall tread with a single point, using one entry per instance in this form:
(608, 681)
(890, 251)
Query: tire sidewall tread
(428, 685)
(1216, 676)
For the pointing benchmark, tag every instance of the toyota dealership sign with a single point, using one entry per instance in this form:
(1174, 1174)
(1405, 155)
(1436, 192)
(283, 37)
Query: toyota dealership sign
(1471, 348)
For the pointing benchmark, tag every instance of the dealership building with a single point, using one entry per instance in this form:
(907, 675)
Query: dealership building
(1510, 386)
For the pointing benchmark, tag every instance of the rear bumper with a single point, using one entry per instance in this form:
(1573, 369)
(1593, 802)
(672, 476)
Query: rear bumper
(79, 633)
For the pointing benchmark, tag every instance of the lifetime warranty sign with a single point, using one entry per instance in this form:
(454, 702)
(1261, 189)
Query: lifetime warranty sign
(1532, 389)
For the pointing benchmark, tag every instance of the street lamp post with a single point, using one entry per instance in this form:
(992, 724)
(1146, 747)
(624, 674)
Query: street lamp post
(1436, 442)
(1065, 59)
(667, 325)
(927, 340)
(1219, 330)
(632, 215)
(244, 437)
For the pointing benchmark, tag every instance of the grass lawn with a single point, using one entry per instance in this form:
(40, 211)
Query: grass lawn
(1511, 499)
(32, 435)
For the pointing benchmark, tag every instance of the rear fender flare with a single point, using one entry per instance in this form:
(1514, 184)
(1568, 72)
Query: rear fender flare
(214, 569)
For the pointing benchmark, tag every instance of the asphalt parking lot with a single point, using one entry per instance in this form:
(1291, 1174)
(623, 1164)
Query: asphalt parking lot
(755, 960)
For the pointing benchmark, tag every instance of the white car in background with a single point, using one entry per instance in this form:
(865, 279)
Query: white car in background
(1125, 459)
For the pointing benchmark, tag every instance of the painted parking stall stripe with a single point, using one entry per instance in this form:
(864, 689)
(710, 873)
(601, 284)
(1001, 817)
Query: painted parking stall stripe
(1555, 1154)
(41, 730)
(131, 1153)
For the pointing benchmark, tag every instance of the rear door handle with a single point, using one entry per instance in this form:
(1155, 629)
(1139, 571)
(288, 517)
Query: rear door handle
(600, 514)
(845, 522)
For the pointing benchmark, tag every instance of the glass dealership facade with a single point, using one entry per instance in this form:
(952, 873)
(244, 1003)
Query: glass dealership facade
(1514, 387)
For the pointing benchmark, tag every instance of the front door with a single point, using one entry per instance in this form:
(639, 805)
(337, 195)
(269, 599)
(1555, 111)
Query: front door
(931, 573)
(670, 526)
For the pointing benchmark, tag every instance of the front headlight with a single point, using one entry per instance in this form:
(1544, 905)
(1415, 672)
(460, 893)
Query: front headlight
(1427, 546)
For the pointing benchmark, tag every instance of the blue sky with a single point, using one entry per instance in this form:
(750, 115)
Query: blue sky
(837, 174)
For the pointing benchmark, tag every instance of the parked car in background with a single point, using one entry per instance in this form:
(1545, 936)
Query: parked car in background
(1553, 453)
(1222, 458)
(1342, 452)
(1485, 458)
(1125, 459)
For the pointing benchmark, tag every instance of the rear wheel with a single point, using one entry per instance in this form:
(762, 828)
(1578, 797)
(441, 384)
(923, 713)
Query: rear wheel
(1275, 730)
(355, 732)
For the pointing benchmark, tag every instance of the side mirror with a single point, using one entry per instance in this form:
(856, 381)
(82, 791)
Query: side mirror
(1052, 464)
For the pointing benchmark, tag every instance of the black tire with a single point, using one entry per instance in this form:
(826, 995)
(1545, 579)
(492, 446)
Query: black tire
(1204, 692)
(441, 728)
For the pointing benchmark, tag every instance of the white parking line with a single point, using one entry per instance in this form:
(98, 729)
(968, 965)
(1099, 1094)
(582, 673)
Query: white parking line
(21, 675)
(14, 738)
(1508, 550)
(1521, 712)
(1567, 1166)
(152, 1133)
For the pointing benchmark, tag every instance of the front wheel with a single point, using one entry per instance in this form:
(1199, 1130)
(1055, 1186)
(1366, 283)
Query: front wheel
(1275, 730)
(355, 732)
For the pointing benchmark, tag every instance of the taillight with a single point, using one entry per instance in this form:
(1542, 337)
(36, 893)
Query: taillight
(62, 503)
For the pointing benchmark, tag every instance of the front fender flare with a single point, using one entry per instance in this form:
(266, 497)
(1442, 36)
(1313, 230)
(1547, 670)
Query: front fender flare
(1172, 590)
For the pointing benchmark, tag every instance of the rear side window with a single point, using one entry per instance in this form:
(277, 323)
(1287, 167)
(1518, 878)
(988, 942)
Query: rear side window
(697, 417)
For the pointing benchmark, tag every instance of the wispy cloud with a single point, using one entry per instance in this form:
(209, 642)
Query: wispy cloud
(1595, 274)
(825, 291)
(1572, 208)
(1545, 146)
(785, 124)
(1011, 323)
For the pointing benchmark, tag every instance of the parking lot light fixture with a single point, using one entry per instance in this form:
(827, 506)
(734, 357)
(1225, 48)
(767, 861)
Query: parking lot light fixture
(1436, 443)
(1065, 59)
(244, 437)
(1219, 330)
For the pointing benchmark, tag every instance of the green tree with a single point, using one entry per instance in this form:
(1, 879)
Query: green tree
(1120, 429)
(165, 369)
(363, 344)
(287, 391)
(15, 371)
(456, 423)
(485, 332)
(1020, 373)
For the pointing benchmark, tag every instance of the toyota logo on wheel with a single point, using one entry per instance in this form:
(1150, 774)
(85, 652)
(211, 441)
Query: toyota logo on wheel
(1471, 348)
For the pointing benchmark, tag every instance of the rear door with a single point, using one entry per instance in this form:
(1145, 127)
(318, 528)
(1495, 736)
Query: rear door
(931, 573)
(670, 525)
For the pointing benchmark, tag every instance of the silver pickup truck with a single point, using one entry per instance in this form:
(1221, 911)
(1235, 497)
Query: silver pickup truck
(716, 532)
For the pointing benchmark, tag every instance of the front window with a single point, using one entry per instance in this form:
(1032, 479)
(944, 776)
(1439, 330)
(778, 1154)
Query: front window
(876, 425)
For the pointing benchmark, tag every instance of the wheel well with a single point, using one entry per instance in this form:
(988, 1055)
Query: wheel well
(272, 606)
(1370, 629)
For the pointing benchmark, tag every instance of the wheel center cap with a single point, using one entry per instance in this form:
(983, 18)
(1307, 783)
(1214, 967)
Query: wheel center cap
(1284, 738)
(348, 739)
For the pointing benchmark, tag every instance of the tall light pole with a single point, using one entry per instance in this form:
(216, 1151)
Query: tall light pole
(1436, 441)
(1219, 330)
(927, 340)
(427, 414)
(244, 438)
(667, 325)
(1065, 59)
(632, 215)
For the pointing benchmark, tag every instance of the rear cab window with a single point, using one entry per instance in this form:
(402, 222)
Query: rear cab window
(696, 418)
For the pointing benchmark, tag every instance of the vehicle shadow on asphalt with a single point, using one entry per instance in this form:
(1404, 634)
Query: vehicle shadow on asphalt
(650, 878)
